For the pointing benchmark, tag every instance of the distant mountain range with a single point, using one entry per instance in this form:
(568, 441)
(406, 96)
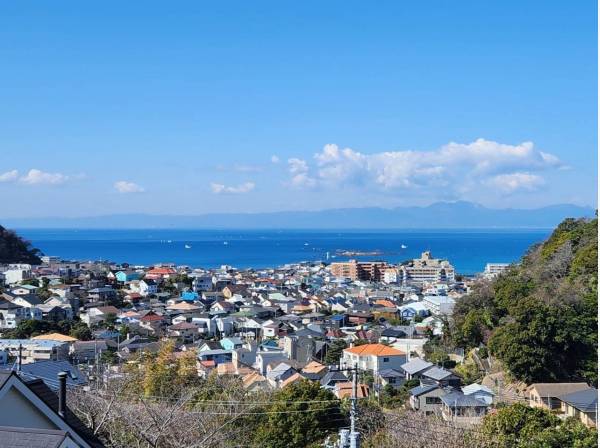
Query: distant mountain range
(439, 215)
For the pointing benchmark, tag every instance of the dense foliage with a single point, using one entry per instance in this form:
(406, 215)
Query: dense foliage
(14, 249)
(540, 318)
(29, 328)
(520, 426)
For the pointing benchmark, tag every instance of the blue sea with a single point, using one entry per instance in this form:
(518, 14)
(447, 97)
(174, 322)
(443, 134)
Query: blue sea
(468, 250)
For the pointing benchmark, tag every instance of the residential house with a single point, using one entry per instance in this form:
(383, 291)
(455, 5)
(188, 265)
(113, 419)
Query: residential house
(160, 273)
(127, 276)
(440, 376)
(374, 357)
(17, 274)
(32, 350)
(479, 391)
(331, 378)
(54, 313)
(264, 358)
(31, 414)
(545, 395)
(427, 398)
(415, 367)
(412, 310)
(255, 382)
(148, 287)
(393, 377)
(48, 371)
(277, 372)
(345, 390)
(461, 409)
(98, 314)
(184, 331)
(202, 283)
(84, 351)
(231, 343)
(582, 405)
(11, 314)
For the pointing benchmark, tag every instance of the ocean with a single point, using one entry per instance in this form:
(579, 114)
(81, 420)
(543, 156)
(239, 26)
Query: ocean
(468, 250)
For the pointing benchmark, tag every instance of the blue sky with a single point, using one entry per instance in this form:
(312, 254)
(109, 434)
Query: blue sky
(194, 107)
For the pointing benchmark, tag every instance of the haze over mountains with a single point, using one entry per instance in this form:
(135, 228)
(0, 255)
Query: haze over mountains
(442, 215)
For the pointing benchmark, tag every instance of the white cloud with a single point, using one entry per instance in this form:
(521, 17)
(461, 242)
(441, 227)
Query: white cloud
(123, 186)
(274, 159)
(509, 183)
(37, 177)
(246, 187)
(298, 170)
(450, 171)
(9, 176)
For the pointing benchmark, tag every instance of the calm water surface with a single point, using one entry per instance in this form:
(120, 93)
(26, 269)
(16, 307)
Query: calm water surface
(468, 250)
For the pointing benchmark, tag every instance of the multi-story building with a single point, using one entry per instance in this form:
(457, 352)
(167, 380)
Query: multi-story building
(494, 269)
(427, 269)
(360, 270)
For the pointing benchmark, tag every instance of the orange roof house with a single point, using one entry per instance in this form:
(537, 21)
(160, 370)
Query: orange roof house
(373, 357)
(55, 337)
(374, 349)
(385, 303)
(314, 367)
(344, 390)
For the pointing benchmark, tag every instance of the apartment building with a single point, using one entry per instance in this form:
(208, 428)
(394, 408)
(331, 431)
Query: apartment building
(494, 269)
(427, 269)
(360, 270)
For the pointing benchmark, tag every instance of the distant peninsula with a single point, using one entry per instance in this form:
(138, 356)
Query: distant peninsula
(440, 215)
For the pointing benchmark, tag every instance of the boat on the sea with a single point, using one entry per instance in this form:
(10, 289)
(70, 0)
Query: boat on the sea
(187, 246)
(225, 243)
(403, 246)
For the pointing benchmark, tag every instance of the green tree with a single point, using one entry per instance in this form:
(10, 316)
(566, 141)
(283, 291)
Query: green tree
(81, 331)
(544, 343)
(520, 426)
(334, 352)
(108, 357)
(301, 414)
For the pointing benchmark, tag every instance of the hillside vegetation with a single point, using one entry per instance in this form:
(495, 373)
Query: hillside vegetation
(540, 318)
(14, 249)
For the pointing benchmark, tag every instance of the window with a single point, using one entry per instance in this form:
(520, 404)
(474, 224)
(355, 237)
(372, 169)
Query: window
(386, 359)
(433, 400)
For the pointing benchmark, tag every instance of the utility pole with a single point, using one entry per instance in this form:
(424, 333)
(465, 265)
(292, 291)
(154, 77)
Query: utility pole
(354, 435)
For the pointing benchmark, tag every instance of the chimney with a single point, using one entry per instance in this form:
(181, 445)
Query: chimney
(62, 393)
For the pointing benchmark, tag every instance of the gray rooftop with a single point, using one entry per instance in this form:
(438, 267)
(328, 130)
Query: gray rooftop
(437, 373)
(456, 399)
(15, 437)
(584, 400)
(416, 365)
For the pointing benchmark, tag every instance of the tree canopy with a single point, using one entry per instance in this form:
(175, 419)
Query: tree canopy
(14, 249)
(540, 317)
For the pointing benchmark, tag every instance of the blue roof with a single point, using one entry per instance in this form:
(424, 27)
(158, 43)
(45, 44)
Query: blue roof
(48, 371)
(338, 317)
